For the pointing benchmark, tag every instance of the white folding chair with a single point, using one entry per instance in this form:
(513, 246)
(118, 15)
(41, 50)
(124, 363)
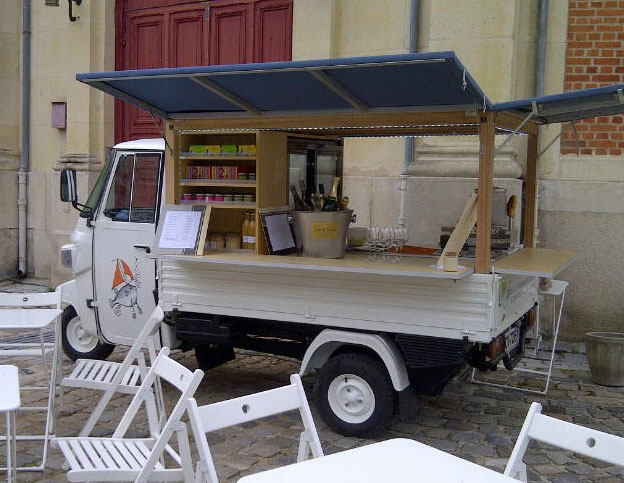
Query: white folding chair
(139, 459)
(575, 438)
(124, 377)
(213, 417)
(28, 315)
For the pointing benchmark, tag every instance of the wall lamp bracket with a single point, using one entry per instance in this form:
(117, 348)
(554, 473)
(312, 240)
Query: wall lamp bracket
(71, 14)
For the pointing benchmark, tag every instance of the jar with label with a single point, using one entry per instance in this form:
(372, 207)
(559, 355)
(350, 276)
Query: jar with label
(201, 197)
(232, 241)
(228, 197)
(187, 197)
(248, 198)
(239, 198)
(251, 176)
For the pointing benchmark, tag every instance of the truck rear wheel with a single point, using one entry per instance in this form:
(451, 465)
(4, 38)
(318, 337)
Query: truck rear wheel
(354, 394)
(78, 344)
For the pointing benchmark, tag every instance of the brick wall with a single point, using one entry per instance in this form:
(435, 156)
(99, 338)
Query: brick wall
(594, 58)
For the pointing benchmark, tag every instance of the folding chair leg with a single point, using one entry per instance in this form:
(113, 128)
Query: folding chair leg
(304, 447)
(186, 461)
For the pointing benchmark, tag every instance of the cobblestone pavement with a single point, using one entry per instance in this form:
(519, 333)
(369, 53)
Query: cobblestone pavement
(474, 422)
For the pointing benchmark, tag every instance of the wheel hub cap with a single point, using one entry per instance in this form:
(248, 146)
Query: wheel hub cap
(351, 398)
(78, 338)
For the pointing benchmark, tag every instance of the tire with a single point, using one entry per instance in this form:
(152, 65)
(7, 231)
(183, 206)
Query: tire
(354, 394)
(77, 344)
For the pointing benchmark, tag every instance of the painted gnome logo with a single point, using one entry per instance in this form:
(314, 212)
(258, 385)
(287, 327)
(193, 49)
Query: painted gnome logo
(125, 288)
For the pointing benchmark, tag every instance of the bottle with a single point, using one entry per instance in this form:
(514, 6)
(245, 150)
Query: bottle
(296, 198)
(251, 234)
(344, 203)
(245, 230)
(331, 201)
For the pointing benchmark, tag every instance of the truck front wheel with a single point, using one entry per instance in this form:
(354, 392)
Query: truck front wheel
(78, 344)
(354, 394)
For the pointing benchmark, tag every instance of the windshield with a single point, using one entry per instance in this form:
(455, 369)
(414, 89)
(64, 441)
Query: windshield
(100, 185)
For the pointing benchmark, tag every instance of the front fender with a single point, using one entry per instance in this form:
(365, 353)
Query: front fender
(70, 296)
(324, 345)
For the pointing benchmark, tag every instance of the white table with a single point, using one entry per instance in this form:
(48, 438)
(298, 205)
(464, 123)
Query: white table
(394, 460)
(21, 320)
(9, 404)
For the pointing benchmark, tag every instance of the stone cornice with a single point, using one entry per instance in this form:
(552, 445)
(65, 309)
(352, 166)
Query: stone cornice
(79, 162)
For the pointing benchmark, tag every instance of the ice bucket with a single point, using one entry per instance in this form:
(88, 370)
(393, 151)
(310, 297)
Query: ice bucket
(323, 234)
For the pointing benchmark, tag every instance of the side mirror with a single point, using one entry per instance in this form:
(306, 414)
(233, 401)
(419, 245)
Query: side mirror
(68, 186)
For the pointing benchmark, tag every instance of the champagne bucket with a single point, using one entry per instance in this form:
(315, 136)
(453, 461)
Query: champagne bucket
(323, 234)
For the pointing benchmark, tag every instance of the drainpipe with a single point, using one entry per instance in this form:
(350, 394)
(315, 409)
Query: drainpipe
(540, 61)
(409, 141)
(22, 174)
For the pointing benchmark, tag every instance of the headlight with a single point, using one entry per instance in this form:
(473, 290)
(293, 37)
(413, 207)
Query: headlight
(66, 255)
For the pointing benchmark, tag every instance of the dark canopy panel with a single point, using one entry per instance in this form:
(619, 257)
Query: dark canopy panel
(568, 106)
(434, 81)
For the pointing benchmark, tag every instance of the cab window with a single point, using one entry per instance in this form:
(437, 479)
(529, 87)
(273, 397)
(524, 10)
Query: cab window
(133, 194)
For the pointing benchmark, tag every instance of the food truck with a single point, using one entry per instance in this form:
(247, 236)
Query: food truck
(235, 139)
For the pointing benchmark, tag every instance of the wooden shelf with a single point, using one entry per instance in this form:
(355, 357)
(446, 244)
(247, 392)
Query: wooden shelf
(240, 206)
(224, 183)
(213, 157)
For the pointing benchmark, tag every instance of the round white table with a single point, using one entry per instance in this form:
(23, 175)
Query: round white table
(9, 404)
(394, 460)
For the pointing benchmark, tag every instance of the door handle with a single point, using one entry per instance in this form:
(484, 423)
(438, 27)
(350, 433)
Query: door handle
(143, 247)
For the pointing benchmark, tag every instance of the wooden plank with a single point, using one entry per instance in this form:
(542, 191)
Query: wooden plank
(369, 119)
(538, 262)
(171, 164)
(462, 229)
(271, 177)
(530, 193)
(484, 199)
(352, 262)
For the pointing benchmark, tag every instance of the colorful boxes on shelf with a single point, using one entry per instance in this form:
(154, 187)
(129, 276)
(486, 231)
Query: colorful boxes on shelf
(220, 172)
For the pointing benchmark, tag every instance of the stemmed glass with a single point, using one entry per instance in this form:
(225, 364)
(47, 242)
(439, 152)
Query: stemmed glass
(386, 241)
(370, 240)
(398, 243)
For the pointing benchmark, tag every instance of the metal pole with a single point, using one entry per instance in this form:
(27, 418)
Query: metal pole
(542, 27)
(22, 197)
(409, 141)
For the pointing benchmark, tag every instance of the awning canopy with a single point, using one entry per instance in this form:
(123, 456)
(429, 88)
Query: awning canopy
(568, 106)
(435, 81)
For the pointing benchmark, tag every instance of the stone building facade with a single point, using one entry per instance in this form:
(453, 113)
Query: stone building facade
(581, 206)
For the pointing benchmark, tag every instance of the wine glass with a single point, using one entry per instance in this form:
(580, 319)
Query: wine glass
(398, 238)
(369, 238)
(386, 241)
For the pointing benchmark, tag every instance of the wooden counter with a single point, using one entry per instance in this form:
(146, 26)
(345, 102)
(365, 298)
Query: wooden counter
(409, 266)
(538, 262)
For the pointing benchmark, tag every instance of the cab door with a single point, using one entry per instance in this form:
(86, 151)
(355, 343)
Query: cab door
(124, 272)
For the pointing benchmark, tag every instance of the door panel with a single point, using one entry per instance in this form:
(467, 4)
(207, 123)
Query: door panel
(230, 34)
(145, 46)
(124, 276)
(273, 27)
(188, 38)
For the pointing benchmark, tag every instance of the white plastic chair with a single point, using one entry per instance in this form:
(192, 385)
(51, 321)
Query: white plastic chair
(24, 313)
(213, 417)
(139, 459)
(578, 439)
(124, 377)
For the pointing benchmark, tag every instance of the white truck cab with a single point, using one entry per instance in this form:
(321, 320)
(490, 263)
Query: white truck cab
(114, 280)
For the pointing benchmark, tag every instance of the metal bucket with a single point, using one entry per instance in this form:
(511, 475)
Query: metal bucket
(323, 234)
(605, 354)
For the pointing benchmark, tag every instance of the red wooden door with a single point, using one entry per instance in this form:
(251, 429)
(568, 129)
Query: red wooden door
(176, 33)
(157, 34)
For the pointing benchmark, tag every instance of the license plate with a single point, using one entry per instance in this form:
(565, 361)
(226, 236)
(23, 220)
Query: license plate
(512, 338)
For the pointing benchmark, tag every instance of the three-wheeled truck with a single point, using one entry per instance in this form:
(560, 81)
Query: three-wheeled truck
(371, 331)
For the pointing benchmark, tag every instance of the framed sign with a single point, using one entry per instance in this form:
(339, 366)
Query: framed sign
(182, 230)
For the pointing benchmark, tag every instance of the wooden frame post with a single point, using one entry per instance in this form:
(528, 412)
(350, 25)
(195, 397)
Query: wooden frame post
(484, 197)
(530, 190)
